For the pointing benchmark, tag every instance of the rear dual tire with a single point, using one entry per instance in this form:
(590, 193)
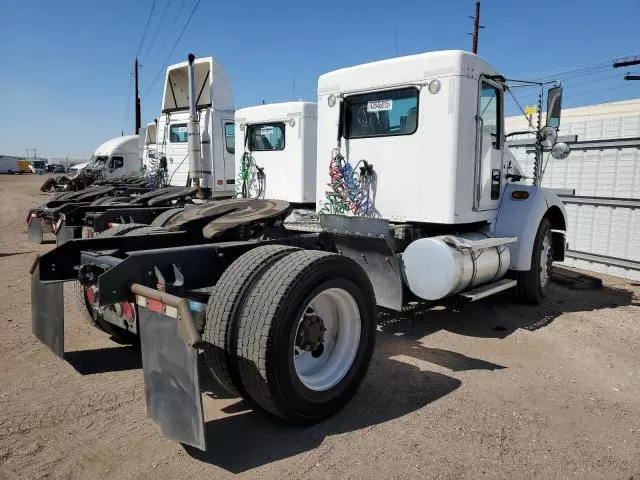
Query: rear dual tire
(299, 340)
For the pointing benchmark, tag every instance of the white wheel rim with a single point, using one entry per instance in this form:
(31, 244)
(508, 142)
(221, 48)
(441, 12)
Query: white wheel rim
(545, 261)
(341, 319)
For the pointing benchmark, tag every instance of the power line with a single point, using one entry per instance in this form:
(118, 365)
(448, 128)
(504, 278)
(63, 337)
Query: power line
(146, 28)
(606, 60)
(166, 62)
(171, 25)
(153, 39)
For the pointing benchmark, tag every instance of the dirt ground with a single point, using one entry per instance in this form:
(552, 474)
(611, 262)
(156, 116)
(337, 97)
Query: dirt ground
(487, 390)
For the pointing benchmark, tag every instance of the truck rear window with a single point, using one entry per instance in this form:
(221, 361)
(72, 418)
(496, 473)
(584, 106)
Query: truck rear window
(266, 136)
(178, 133)
(379, 114)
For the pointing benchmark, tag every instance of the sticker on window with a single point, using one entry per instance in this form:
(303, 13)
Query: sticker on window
(379, 105)
(266, 130)
(182, 129)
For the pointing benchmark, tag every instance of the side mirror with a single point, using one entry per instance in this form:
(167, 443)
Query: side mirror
(547, 136)
(554, 107)
(560, 151)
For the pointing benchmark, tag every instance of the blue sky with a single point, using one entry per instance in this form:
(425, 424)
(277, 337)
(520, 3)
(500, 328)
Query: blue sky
(66, 64)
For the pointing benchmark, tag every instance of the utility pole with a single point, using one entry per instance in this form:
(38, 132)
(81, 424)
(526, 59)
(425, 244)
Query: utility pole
(476, 27)
(137, 127)
(628, 62)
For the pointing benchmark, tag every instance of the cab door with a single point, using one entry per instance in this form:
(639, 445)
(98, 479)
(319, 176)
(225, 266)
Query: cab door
(489, 146)
(115, 167)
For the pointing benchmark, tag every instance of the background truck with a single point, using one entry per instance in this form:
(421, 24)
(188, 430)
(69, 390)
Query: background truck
(13, 165)
(417, 199)
(275, 146)
(214, 110)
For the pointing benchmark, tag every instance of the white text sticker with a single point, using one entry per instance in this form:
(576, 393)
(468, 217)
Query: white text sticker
(379, 105)
(266, 130)
(182, 129)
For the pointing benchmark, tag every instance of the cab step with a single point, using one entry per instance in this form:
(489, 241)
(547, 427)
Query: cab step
(489, 289)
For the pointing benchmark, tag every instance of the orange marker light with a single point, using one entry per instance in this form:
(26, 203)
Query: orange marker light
(520, 195)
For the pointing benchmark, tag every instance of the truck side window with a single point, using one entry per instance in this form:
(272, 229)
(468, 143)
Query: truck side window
(381, 114)
(116, 162)
(230, 137)
(178, 133)
(266, 136)
(490, 111)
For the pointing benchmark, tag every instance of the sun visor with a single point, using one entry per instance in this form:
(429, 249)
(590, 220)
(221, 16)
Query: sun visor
(176, 86)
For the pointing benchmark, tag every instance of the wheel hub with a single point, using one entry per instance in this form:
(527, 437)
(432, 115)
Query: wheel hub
(310, 334)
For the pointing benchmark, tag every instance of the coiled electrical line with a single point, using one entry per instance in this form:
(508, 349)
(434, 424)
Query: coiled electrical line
(349, 187)
(250, 173)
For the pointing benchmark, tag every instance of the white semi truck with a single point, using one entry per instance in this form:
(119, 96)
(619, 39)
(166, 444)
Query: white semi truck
(116, 157)
(275, 148)
(417, 199)
(214, 111)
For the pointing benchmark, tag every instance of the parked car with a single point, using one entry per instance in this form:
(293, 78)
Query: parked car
(55, 168)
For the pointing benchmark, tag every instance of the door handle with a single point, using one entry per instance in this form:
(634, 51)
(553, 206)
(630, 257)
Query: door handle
(495, 184)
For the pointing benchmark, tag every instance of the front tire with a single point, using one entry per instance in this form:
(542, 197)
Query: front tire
(533, 285)
(306, 335)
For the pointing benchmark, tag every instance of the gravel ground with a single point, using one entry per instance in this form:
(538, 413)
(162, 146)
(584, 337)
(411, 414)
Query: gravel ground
(488, 390)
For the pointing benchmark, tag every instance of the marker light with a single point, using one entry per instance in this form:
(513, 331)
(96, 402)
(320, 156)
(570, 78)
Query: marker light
(242, 127)
(434, 86)
(292, 122)
(331, 101)
(520, 195)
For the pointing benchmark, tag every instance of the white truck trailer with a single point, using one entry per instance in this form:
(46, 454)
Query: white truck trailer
(417, 199)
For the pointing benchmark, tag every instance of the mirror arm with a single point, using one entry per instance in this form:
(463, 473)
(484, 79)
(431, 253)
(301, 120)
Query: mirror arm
(523, 132)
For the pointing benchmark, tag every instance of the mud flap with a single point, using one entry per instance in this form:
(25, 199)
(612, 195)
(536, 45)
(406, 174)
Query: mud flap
(376, 257)
(34, 231)
(65, 234)
(172, 385)
(47, 311)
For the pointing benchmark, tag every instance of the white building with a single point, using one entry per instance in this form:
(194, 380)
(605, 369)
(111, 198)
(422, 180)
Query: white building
(603, 228)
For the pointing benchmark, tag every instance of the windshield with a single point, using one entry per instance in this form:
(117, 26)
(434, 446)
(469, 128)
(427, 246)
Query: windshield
(97, 162)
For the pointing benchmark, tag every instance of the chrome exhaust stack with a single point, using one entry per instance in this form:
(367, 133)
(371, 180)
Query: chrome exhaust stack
(196, 172)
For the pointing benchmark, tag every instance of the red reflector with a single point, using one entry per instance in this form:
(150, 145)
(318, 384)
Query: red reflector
(520, 195)
(90, 294)
(219, 182)
(155, 306)
(109, 224)
(127, 311)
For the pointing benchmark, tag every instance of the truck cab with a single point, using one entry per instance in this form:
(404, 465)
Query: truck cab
(214, 106)
(275, 149)
(116, 157)
(149, 145)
